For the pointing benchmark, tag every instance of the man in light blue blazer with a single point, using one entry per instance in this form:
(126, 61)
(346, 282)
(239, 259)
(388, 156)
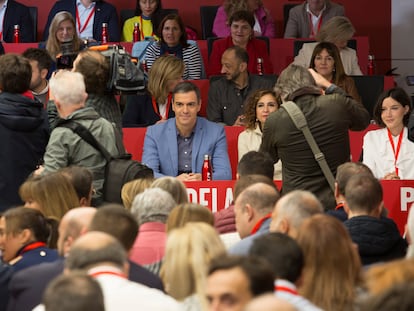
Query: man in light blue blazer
(176, 147)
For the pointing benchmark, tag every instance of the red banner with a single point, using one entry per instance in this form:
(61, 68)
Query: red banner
(216, 195)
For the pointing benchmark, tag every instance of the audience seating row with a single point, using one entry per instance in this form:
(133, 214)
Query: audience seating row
(134, 143)
(281, 51)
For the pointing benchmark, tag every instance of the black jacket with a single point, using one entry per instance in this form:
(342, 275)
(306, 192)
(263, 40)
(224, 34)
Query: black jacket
(17, 14)
(24, 133)
(378, 239)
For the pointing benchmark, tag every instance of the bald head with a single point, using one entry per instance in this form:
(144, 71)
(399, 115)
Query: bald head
(253, 204)
(73, 224)
(292, 209)
(95, 249)
(269, 302)
(260, 196)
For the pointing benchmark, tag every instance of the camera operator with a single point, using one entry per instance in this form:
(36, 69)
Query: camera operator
(95, 70)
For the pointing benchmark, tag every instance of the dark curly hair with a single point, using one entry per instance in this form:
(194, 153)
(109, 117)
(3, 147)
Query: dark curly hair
(251, 103)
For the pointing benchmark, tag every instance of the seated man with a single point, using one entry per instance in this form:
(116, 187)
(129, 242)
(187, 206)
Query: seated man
(318, 12)
(15, 13)
(89, 16)
(286, 258)
(41, 62)
(253, 208)
(377, 237)
(177, 146)
(292, 210)
(227, 94)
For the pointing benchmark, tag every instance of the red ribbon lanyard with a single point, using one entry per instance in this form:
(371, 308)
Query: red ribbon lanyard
(285, 289)
(142, 29)
(396, 151)
(259, 223)
(31, 246)
(95, 274)
(312, 34)
(82, 29)
(155, 106)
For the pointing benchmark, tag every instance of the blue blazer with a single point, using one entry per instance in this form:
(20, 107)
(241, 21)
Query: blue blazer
(17, 14)
(104, 13)
(161, 151)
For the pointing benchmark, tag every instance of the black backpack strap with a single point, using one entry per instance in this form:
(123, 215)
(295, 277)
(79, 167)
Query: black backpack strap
(86, 135)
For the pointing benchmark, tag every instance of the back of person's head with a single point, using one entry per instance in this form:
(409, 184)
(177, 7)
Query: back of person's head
(399, 297)
(15, 73)
(73, 292)
(348, 169)
(164, 69)
(399, 95)
(330, 284)
(68, 88)
(363, 194)
(81, 179)
(256, 162)
(188, 253)
(117, 222)
(383, 276)
(53, 192)
(242, 15)
(94, 249)
(260, 196)
(293, 78)
(132, 188)
(247, 180)
(44, 61)
(295, 207)
(152, 205)
(188, 212)
(257, 270)
(94, 68)
(336, 29)
(72, 225)
(282, 252)
(173, 186)
(42, 229)
(239, 53)
(187, 87)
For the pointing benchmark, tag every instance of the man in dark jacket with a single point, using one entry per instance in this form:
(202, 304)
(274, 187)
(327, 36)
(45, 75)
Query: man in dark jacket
(24, 130)
(16, 14)
(330, 114)
(377, 237)
(89, 16)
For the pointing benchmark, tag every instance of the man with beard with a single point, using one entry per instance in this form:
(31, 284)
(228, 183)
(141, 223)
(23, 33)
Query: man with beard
(227, 94)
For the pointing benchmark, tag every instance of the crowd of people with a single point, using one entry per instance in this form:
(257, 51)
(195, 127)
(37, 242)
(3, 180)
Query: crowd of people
(323, 241)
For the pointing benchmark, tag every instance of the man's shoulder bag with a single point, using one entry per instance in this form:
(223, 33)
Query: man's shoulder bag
(119, 169)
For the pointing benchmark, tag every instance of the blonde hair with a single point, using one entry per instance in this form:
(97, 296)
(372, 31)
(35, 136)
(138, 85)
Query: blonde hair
(188, 212)
(189, 251)
(164, 69)
(173, 186)
(132, 188)
(336, 29)
(54, 193)
(53, 46)
(330, 284)
(381, 277)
